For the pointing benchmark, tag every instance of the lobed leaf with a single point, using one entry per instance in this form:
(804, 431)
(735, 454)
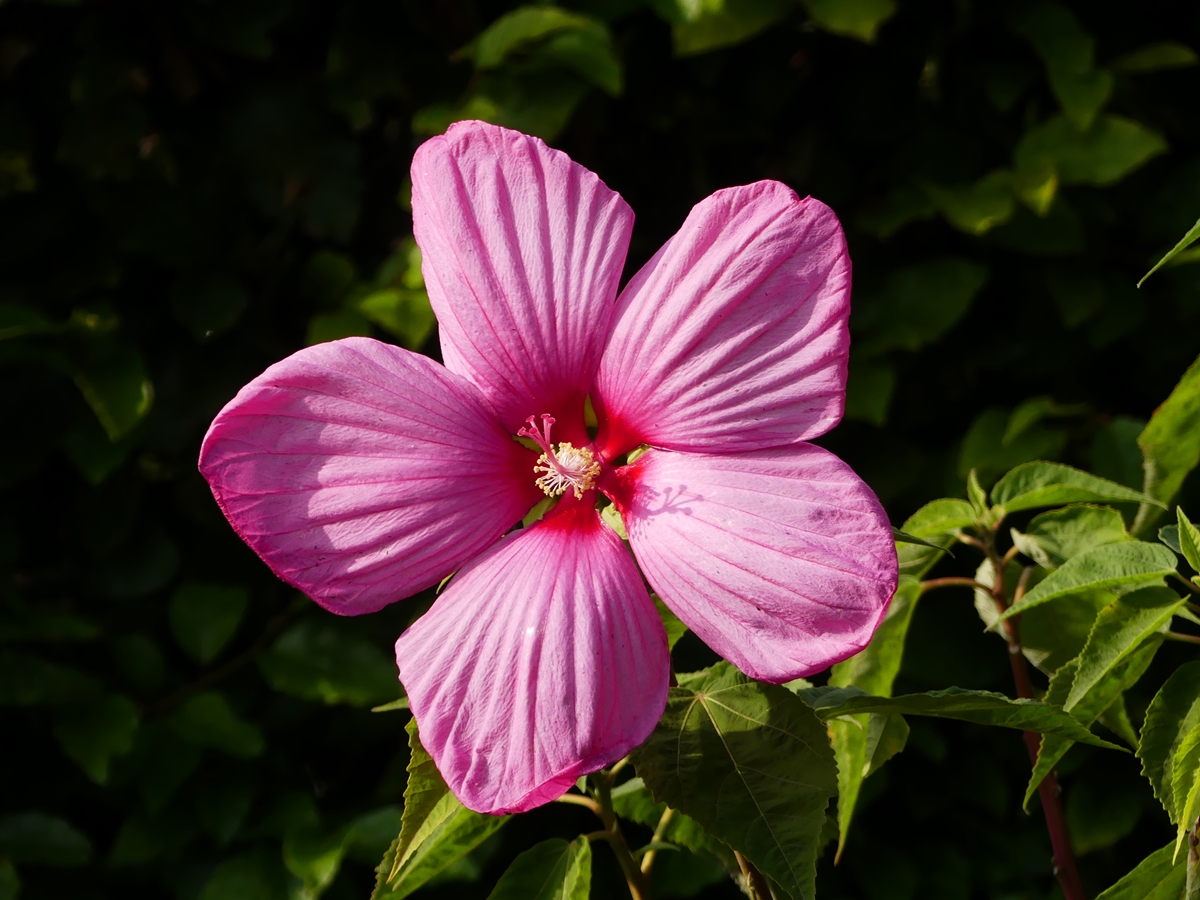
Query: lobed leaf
(752, 764)
(1119, 565)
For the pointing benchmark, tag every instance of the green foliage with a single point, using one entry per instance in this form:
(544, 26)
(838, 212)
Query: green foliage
(205, 616)
(1157, 877)
(436, 830)
(185, 201)
(749, 762)
(1040, 483)
(317, 660)
(551, 870)
(1119, 565)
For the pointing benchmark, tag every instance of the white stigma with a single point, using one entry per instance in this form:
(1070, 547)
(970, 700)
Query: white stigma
(562, 468)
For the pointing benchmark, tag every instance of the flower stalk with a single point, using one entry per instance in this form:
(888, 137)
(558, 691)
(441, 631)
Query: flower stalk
(1065, 868)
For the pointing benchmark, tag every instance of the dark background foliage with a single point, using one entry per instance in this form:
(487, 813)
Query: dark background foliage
(190, 191)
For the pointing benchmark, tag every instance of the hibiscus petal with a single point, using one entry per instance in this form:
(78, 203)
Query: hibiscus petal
(544, 660)
(522, 255)
(734, 336)
(780, 560)
(362, 473)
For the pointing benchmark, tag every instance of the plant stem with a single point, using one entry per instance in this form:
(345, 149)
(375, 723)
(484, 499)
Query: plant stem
(580, 800)
(1186, 638)
(1190, 585)
(639, 886)
(755, 880)
(1060, 842)
(659, 830)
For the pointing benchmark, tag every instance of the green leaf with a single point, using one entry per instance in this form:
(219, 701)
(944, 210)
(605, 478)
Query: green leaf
(983, 448)
(1169, 535)
(94, 733)
(869, 390)
(1053, 633)
(1121, 646)
(1157, 877)
(698, 27)
(1186, 241)
(674, 627)
(1118, 631)
(976, 208)
(1170, 728)
(919, 305)
(1042, 483)
(1034, 410)
(401, 703)
(980, 707)
(1155, 58)
(41, 839)
(10, 884)
(315, 857)
(937, 522)
(1056, 35)
(589, 52)
(859, 19)
(204, 617)
(1189, 540)
(632, 800)
(249, 876)
(26, 680)
(1104, 154)
(518, 29)
(551, 870)
(317, 660)
(1170, 445)
(873, 670)
(117, 389)
(435, 832)
(207, 721)
(1058, 535)
(404, 314)
(1120, 565)
(333, 326)
(1082, 94)
(751, 763)
(903, 537)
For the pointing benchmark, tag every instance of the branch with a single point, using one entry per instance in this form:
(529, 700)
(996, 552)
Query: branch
(659, 830)
(954, 582)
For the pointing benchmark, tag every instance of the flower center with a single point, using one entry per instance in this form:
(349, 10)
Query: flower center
(563, 467)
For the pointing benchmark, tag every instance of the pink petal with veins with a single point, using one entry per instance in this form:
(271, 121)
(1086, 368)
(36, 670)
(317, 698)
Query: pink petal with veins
(544, 660)
(522, 255)
(734, 336)
(362, 473)
(782, 561)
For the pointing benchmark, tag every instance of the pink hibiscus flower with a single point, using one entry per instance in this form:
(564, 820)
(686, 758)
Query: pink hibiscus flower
(362, 473)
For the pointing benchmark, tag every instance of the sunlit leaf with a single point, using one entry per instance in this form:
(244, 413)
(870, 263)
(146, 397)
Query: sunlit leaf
(1157, 877)
(751, 763)
(1041, 483)
(1171, 445)
(1120, 565)
(436, 830)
